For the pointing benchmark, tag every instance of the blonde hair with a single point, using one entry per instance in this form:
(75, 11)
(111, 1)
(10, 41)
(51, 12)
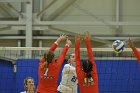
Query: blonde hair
(25, 82)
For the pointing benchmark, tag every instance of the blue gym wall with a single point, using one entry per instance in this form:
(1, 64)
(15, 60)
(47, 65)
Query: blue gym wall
(7, 77)
(115, 76)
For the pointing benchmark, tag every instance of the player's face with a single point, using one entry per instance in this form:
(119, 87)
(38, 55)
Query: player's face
(72, 59)
(30, 84)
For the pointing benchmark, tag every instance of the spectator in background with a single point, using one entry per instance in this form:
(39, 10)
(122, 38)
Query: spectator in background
(29, 85)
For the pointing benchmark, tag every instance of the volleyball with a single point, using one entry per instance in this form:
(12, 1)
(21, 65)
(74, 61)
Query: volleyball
(118, 46)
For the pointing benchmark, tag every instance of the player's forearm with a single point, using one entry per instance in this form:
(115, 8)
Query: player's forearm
(53, 46)
(64, 51)
(62, 55)
(77, 53)
(89, 50)
(56, 43)
(136, 53)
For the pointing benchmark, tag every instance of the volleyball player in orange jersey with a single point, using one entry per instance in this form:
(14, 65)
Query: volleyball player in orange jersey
(135, 51)
(49, 68)
(86, 71)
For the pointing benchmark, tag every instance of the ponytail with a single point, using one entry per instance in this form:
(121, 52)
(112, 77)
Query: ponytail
(49, 56)
(87, 68)
(88, 75)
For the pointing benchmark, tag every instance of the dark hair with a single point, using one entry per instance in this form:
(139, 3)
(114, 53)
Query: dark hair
(87, 68)
(49, 56)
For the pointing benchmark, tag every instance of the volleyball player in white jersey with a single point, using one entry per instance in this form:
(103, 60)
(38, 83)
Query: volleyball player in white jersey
(68, 83)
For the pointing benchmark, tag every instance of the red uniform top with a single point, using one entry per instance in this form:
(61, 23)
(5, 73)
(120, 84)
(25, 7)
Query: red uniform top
(81, 74)
(136, 53)
(49, 84)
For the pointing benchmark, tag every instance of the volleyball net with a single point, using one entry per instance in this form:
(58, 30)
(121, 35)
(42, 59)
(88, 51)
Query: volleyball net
(36, 52)
(116, 73)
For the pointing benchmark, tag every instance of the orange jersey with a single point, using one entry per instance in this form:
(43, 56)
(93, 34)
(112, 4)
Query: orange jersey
(136, 53)
(49, 84)
(86, 88)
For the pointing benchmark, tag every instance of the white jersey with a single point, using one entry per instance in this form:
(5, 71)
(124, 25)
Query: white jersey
(68, 83)
(23, 92)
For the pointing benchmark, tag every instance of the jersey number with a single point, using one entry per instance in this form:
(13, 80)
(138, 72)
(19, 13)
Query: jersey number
(88, 81)
(73, 79)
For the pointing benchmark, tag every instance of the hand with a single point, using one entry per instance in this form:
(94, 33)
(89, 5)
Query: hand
(31, 88)
(87, 36)
(130, 43)
(61, 38)
(69, 42)
(78, 38)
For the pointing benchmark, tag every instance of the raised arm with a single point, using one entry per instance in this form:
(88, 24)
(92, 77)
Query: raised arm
(77, 52)
(43, 63)
(87, 38)
(61, 58)
(56, 43)
(135, 51)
